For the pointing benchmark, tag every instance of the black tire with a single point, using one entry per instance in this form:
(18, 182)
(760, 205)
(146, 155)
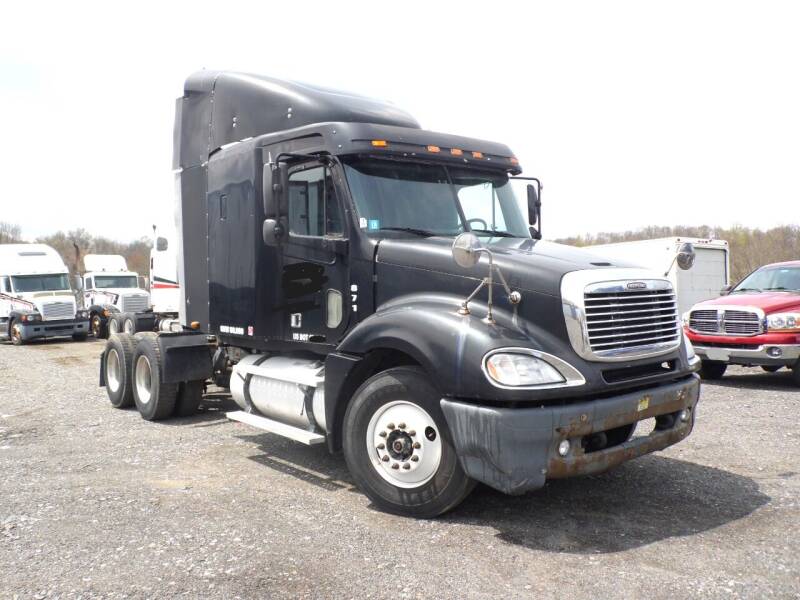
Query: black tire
(448, 485)
(711, 370)
(79, 337)
(796, 373)
(15, 335)
(121, 395)
(771, 368)
(154, 400)
(115, 324)
(98, 326)
(190, 393)
(128, 323)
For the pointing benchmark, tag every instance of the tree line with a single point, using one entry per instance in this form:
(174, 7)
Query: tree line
(749, 248)
(74, 245)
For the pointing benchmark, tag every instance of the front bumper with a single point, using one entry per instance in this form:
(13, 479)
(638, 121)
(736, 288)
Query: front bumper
(761, 355)
(515, 450)
(46, 329)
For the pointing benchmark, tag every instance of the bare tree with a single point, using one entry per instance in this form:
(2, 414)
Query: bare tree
(10, 233)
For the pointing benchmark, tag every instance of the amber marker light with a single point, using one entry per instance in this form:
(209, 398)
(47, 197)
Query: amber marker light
(513, 160)
(456, 151)
(477, 155)
(433, 149)
(379, 143)
(195, 325)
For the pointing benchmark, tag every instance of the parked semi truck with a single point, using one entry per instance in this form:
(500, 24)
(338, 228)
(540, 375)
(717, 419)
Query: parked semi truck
(115, 300)
(706, 279)
(36, 300)
(374, 287)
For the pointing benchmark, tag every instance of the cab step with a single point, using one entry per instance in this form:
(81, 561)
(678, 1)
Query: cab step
(309, 438)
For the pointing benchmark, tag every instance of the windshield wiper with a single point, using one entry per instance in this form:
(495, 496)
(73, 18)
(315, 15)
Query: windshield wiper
(414, 230)
(495, 232)
(780, 288)
(746, 290)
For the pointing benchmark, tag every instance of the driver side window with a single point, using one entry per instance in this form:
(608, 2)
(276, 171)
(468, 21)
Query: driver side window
(481, 206)
(314, 208)
(4, 285)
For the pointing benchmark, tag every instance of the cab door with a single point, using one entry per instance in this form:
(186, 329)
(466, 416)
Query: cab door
(315, 268)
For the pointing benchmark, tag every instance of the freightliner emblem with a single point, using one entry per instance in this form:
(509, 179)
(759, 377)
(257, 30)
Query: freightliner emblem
(636, 285)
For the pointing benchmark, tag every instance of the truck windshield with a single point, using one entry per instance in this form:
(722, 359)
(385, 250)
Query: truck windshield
(40, 283)
(428, 199)
(102, 282)
(771, 279)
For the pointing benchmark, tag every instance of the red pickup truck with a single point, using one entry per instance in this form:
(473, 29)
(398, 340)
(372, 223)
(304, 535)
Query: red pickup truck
(755, 323)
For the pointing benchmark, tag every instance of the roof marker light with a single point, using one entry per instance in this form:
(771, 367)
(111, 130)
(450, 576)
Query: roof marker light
(477, 155)
(456, 151)
(513, 160)
(433, 148)
(379, 143)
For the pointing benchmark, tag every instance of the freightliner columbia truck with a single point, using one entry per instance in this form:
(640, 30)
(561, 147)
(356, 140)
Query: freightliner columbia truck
(363, 283)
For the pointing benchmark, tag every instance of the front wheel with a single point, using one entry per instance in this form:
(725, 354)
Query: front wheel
(398, 447)
(711, 370)
(98, 327)
(15, 333)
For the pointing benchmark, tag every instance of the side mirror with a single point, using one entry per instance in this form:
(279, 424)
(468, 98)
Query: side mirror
(275, 182)
(686, 256)
(272, 232)
(142, 282)
(534, 204)
(161, 244)
(466, 250)
(78, 283)
(726, 290)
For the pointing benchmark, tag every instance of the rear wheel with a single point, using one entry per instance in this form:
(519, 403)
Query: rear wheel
(99, 327)
(398, 447)
(114, 324)
(128, 323)
(190, 393)
(771, 368)
(15, 333)
(710, 369)
(118, 369)
(154, 399)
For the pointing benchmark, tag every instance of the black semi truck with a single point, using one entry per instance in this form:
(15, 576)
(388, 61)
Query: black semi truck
(359, 282)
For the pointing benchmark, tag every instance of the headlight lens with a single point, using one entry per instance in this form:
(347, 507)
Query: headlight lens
(690, 354)
(83, 314)
(521, 370)
(685, 318)
(788, 321)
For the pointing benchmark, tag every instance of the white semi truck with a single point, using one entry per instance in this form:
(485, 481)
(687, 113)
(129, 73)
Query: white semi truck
(36, 300)
(706, 279)
(117, 302)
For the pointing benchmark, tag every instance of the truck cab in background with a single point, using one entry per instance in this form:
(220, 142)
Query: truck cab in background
(112, 295)
(374, 287)
(36, 300)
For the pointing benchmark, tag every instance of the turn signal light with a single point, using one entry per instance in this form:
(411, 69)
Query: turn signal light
(477, 155)
(433, 149)
(379, 143)
(456, 152)
(195, 325)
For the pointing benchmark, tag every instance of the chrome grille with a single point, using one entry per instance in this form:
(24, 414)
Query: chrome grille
(724, 321)
(704, 321)
(134, 304)
(57, 310)
(624, 321)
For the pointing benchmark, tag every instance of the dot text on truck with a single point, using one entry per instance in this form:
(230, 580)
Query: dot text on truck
(318, 237)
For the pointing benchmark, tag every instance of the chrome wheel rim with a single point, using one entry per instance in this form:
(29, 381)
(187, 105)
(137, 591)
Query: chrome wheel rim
(404, 444)
(144, 380)
(113, 326)
(113, 371)
(128, 326)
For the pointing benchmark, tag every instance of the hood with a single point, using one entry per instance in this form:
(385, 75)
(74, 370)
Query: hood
(527, 264)
(769, 302)
(52, 305)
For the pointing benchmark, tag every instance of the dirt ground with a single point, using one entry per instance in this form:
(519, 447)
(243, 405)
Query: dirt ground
(97, 502)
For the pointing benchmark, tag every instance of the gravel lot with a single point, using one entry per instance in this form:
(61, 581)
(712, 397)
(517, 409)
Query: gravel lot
(97, 502)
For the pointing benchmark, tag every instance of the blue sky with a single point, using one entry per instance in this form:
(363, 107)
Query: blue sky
(631, 113)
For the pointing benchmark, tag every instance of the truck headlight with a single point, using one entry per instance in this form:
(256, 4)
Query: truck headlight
(514, 370)
(33, 318)
(788, 321)
(690, 353)
(82, 314)
(685, 318)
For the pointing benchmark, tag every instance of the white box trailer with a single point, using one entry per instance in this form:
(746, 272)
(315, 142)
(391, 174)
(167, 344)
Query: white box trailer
(36, 300)
(710, 273)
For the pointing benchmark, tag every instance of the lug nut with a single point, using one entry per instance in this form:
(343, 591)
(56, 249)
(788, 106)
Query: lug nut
(395, 466)
(401, 426)
(385, 459)
(415, 458)
(382, 434)
(417, 445)
(381, 446)
(390, 426)
(412, 433)
(406, 466)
